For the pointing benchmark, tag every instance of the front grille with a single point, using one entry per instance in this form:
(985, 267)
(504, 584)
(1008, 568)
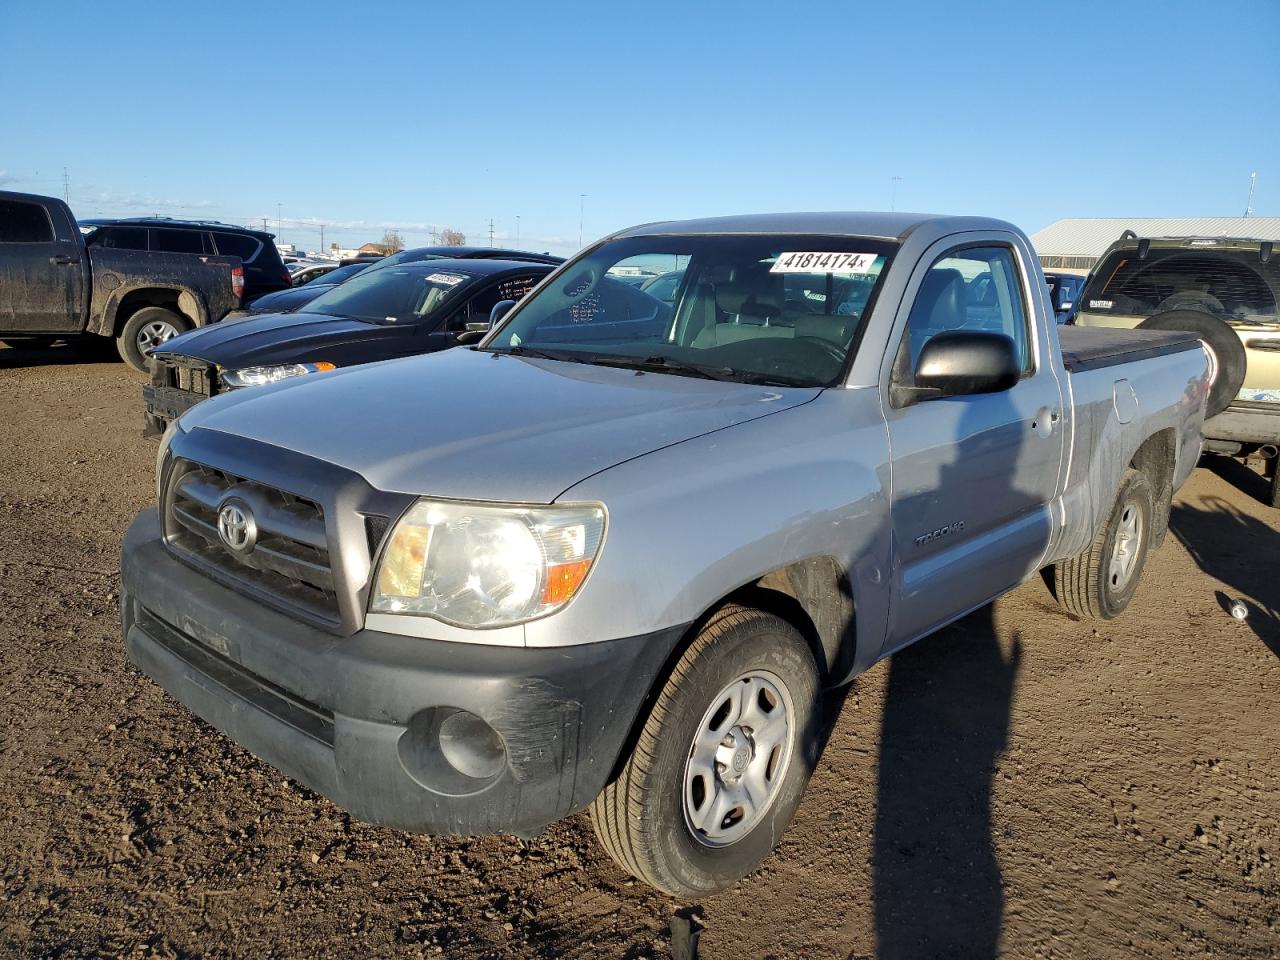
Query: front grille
(186, 373)
(288, 565)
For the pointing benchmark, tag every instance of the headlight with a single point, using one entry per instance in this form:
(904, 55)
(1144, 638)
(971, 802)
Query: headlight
(162, 455)
(476, 565)
(261, 376)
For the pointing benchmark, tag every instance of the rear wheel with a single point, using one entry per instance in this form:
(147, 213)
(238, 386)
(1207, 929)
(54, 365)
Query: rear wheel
(721, 762)
(1098, 583)
(146, 330)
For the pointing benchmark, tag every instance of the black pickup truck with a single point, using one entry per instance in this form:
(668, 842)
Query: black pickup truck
(53, 286)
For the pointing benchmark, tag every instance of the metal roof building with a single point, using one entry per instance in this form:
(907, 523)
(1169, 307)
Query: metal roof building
(1077, 244)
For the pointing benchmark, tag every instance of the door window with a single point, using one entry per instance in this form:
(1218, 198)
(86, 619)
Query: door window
(24, 223)
(177, 241)
(120, 238)
(237, 245)
(478, 308)
(973, 288)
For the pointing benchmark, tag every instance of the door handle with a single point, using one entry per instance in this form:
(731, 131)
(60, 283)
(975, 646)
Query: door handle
(62, 259)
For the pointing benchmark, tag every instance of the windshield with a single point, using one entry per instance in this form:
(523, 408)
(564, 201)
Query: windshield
(337, 275)
(404, 256)
(1233, 284)
(784, 310)
(396, 295)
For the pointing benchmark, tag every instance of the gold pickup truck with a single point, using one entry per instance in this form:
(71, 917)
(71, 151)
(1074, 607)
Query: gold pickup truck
(1227, 291)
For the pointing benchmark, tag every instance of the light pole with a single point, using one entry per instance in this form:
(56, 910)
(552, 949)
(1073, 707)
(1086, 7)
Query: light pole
(1253, 181)
(582, 205)
(279, 222)
(517, 231)
(893, 193)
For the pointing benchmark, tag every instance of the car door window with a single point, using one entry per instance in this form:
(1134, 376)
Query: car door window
(24, 223)
(972, 288)
(478, 307)
(237, 245)
(120, 238)
(177, 241)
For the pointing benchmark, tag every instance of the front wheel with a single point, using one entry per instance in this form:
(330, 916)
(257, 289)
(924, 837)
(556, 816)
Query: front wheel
(722, 760)
(146, 330)
(1099, 583)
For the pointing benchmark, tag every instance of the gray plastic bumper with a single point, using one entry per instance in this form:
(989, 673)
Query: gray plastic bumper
(357, 718)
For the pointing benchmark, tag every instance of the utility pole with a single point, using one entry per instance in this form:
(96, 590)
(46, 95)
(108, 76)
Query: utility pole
(582, 205)
(264, 224)
(517, 231)
(491, 231)
(1253, 181)
(323, 248)
(66, 187)
(893, 193)
(279, 222)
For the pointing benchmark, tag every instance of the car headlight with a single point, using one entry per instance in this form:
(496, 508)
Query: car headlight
(479, 565)
(273, 373)
(162, 455)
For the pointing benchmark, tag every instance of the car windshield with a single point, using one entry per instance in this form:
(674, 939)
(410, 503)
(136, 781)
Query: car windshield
(337, 275)
(396, 295)
(404, 256)
(782, 310)
(1234, 284)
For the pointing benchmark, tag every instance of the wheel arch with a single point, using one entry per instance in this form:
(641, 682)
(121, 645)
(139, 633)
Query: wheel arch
(1156, 457)
(125, 302)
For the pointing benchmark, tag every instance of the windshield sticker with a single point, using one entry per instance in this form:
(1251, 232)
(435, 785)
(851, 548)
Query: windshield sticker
(801, 261)
(1100, 304)
(448, 279)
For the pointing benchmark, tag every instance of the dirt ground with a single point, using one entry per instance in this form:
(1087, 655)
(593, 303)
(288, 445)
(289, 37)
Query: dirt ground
(1018, 784)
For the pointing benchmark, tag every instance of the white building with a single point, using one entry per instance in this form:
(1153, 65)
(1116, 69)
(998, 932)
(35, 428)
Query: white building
(1076, 245)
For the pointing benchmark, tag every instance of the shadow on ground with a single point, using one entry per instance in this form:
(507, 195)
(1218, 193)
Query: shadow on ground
(20, 354)
(1234, 548)
(938, 887)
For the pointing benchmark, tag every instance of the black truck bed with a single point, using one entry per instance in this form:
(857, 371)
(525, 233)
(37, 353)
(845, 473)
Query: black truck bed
(1088, 348)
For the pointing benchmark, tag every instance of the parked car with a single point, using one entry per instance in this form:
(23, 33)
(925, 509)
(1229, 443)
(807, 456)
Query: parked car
(304, 272)
(611, 556)
(410, 309)
(299, 297)
(286, 301)
(264, 270)
(1064, 292)
(664, 285)
(415, 254)
(1225, 291)
(53, 286)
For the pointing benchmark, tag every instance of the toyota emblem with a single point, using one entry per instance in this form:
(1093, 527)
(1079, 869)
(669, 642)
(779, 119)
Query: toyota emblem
(236, 526)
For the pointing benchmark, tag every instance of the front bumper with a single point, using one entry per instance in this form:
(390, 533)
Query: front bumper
(352, 717)
(1245, 422)
(168, 403)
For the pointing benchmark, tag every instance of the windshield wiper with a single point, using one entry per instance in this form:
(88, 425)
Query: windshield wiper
(520, 350)
(660, 362)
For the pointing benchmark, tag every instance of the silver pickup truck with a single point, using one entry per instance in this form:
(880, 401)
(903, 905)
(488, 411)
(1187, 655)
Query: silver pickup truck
(611, 555)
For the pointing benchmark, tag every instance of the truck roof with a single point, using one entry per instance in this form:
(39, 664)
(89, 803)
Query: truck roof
(890, 226)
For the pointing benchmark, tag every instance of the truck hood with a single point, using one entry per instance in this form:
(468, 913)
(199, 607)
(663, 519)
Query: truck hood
(473, 425)
(272, 338)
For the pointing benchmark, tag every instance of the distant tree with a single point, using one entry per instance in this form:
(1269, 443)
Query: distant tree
(452, 238)
(392, 242)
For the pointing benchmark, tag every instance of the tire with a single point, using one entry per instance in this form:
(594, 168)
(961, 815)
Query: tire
(1221, 339)
(1098, 583)
(644, 817)
(150, 324)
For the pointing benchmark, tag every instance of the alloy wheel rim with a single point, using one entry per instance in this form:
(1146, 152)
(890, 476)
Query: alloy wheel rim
(152, 334)
(738, 759)
(1124, 554)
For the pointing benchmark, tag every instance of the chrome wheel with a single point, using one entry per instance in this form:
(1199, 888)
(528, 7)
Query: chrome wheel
(738, 759)
(1124, 554)
(151, 335)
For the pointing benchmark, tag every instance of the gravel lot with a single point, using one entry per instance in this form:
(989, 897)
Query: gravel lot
(1018, 783)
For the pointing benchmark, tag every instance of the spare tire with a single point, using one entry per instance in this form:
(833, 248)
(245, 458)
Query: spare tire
(1227, 349)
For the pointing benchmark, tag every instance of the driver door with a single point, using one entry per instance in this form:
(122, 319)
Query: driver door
(973, 477)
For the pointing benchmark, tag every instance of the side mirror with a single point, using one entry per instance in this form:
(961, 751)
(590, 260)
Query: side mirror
(500, 310)
(960, 363)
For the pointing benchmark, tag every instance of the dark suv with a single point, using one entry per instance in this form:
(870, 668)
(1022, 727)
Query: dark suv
(264, 271)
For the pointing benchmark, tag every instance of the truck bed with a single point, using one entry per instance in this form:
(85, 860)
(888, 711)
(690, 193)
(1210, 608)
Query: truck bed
(1088, 348)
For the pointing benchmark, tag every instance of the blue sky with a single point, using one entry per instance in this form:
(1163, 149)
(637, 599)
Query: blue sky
(419, 115)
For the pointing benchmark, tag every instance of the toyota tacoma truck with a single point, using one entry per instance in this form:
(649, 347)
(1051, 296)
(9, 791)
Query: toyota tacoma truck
(53, 286)
(1227, 292)
(610, 556)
